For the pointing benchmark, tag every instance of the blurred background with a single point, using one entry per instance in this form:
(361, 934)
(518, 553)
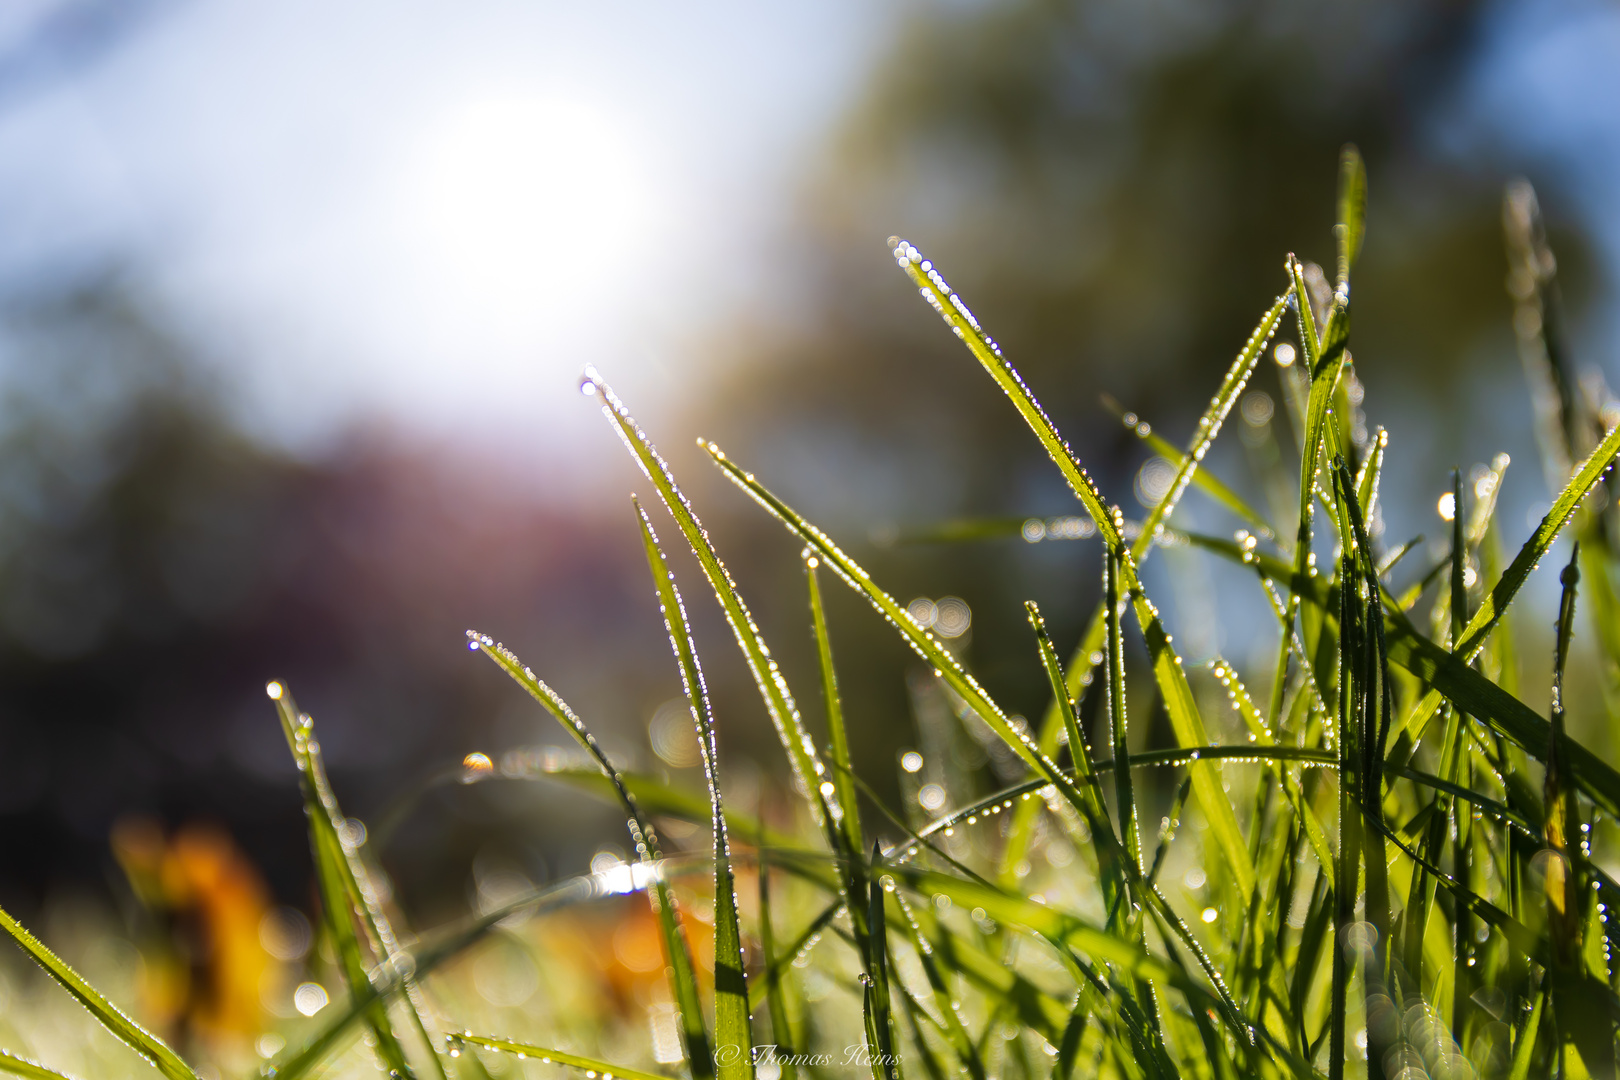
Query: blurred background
(294, 300)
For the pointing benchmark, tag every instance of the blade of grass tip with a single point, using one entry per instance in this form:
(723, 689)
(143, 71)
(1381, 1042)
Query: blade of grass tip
(335, 874)
(730, 981)
(773, 688)
(1367, 479)
(1180, 704)
(1495, 603)
(677, 953)
(547, 1056)
(1261, 735)
(1352, 227)
(110, 1016)
(1325, 362)
(21, 1066)
(362, 895)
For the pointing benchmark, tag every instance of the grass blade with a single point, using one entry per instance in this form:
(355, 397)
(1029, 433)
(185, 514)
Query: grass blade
(110, 1016)
(730, 982)
(781, 1030)
(849, 808)
(1352, 227)
(337, 875)
(773, 688)
(549, 1057)
(880, 1029)
(677, 954)
(18, 1065)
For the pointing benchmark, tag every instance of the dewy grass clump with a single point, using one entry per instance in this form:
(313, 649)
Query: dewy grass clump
(1394, 875)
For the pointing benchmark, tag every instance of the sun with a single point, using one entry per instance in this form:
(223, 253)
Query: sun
(527, 203)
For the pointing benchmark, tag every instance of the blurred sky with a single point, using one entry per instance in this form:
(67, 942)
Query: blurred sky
(436, 214)
(433, 213)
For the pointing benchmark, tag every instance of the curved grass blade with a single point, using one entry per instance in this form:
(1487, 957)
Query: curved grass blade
(18, 1065)
(773, 687)
(921, 641)
(345, 886)
(110, 1016)
(1315, 835)
(730, 982)
(556, 1057)
(677, 953)
(1180, 704)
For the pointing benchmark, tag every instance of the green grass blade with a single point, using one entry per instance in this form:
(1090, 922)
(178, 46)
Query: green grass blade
(337, 876)
(549, 1057)
(1367, 479)
(1187, 466)
(885, 1060)
(110, 1016)
(1524, 1044)
(21, 1066)
(1352, 227)
(849, 807)
(1118, 725)
(773, 687)
(922, 641)
(1315, 834)
(730, 982)
(677, 953)
(1110, 859)
(1179, 701)
(1325, 362)
(845, 807)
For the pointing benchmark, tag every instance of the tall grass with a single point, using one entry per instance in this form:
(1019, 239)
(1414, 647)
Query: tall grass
(1393, 875)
